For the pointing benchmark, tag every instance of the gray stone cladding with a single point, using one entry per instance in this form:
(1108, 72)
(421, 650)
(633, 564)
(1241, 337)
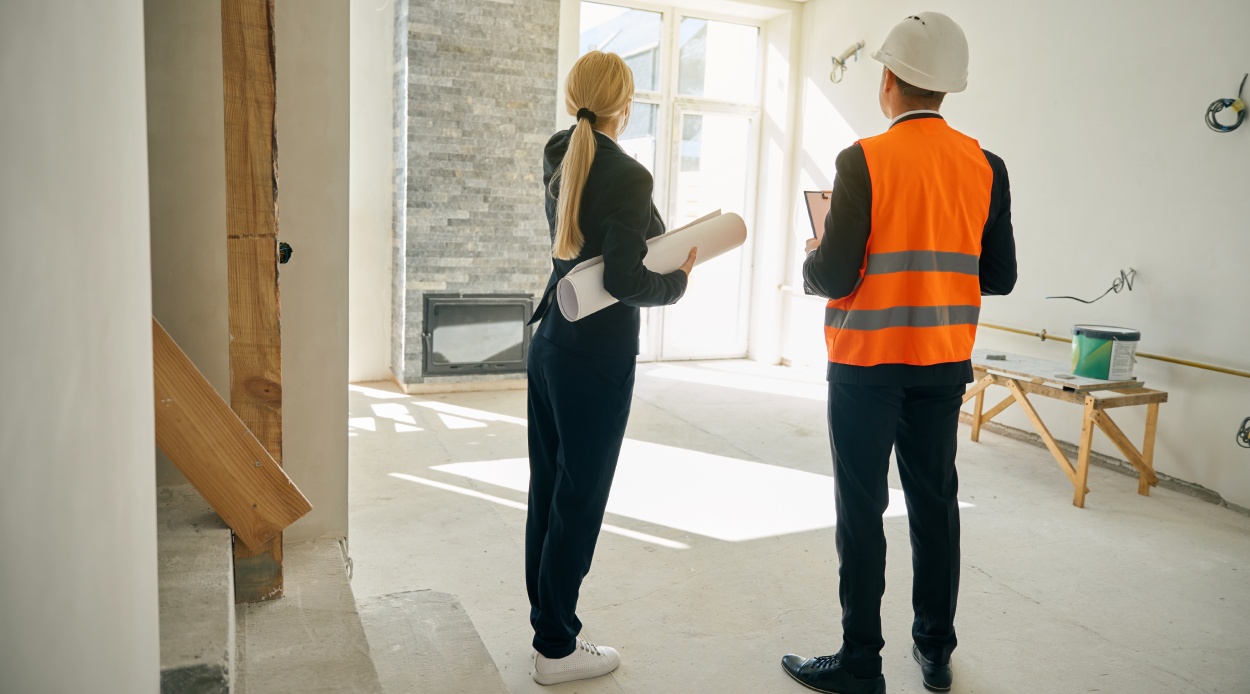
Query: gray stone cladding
(399, 157)
(475, 97)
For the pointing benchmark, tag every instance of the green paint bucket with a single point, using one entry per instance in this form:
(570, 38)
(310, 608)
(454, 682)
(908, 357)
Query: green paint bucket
(1104, 352)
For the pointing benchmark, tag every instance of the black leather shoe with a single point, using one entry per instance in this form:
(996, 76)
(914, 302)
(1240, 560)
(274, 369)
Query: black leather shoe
(937, 678)
(825, 674)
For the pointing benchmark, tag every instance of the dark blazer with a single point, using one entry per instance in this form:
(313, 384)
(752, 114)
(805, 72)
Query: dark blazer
(617, 217)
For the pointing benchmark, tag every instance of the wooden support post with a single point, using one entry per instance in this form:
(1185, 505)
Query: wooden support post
(977, 408)
(1148, 449)
(252, 256)
(1082, 460)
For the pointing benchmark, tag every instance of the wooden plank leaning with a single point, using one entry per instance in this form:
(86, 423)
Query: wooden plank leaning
(216, 452)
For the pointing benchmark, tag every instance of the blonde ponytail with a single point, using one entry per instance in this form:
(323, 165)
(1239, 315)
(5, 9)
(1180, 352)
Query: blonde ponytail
(573, 172)
(602, 84)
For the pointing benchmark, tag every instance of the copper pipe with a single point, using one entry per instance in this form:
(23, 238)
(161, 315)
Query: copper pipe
(1146, 355)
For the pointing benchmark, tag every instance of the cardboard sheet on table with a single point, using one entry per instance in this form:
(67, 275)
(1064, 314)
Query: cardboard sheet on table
(581, 293)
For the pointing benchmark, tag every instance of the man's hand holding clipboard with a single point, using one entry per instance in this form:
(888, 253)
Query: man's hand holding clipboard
(817, 210)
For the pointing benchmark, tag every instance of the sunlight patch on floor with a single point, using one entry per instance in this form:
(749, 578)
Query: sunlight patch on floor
(607, 527)
(703, 493)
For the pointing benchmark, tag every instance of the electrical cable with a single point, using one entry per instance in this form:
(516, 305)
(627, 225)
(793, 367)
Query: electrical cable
(838, 71)
(1124, 281)
(1243, 434)
(1238, 106)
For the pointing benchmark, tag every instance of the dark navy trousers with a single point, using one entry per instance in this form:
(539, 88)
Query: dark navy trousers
(920, 424)
(578, 408)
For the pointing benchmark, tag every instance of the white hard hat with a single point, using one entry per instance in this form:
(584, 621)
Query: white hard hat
(927, 50)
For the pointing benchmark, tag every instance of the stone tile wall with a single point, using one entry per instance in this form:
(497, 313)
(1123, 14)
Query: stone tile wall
(478, 81)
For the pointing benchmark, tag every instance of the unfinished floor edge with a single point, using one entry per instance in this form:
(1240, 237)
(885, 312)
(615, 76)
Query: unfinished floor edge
(311, 639)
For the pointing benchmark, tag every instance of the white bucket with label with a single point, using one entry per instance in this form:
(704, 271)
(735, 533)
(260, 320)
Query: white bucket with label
(1104, 352)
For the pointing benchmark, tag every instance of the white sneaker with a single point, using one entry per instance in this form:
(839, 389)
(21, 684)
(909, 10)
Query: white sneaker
(586, 661)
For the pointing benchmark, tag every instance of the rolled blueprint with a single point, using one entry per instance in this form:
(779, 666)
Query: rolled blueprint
(581, 293)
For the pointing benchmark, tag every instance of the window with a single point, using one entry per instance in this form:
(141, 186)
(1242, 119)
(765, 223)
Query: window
(695, 126)
(632, 34)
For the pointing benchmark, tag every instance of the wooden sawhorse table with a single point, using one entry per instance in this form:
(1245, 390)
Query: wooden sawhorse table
(1025, 375)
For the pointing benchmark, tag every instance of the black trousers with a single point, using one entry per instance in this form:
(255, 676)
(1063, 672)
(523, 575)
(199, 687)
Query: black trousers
(920, 424)
(578, 408)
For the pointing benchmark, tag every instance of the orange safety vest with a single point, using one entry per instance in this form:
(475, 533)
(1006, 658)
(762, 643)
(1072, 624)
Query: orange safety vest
(919, 293)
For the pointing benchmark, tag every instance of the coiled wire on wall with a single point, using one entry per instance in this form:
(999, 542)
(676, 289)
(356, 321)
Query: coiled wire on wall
(1238, 106)
(1119, 284)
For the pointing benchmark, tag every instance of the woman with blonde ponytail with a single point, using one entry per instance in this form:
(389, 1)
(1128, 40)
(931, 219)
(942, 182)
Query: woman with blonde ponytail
(581, 375)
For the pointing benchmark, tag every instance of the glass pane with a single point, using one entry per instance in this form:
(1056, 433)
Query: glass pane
(476, 333)
(638, 140)
(712, 174)
(718, 60)
(632, 34)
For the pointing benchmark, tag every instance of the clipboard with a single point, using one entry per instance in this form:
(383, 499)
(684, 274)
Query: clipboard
(817, 207)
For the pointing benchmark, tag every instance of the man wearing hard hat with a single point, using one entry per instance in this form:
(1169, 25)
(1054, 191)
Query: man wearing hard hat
(919, 228)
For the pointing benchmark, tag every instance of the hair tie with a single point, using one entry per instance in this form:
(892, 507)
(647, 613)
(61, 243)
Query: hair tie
(586, 114)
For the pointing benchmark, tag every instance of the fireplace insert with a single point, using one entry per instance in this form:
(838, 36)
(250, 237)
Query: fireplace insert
(476, 333)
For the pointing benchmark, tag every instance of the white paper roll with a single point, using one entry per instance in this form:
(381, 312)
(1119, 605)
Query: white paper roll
(581, 293)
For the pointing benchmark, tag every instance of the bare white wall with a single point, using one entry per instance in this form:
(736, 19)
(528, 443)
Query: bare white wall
(372, 55)
(78, 595)
(313, 130)
(1097, 109)
(187, 167)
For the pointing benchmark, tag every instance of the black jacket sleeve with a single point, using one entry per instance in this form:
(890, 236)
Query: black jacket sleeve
(627, 216)
(832, 270)
(998, 243)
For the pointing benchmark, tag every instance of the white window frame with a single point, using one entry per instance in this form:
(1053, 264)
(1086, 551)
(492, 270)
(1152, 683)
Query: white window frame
(670, 107)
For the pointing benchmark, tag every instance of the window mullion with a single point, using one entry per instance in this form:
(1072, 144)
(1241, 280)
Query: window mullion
(664, 98)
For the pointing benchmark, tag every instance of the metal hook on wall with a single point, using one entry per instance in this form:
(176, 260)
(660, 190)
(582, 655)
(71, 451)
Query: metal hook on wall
(839, 63)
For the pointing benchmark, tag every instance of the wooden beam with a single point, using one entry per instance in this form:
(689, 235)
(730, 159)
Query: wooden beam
(985, 382)
(1083, 454)
(1035, 388)
(214, 449)
(1131, 398)
(1064, 463)
(1148, 449)
(1117, 436)
(248, 59)
(977, 409)
(997, 409)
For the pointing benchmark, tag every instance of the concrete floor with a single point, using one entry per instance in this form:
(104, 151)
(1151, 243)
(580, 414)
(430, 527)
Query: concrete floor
(720, 556)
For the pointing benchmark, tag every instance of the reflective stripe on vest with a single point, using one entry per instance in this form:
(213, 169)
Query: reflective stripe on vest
(923, 261)
(919, 296)
(902, 317)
